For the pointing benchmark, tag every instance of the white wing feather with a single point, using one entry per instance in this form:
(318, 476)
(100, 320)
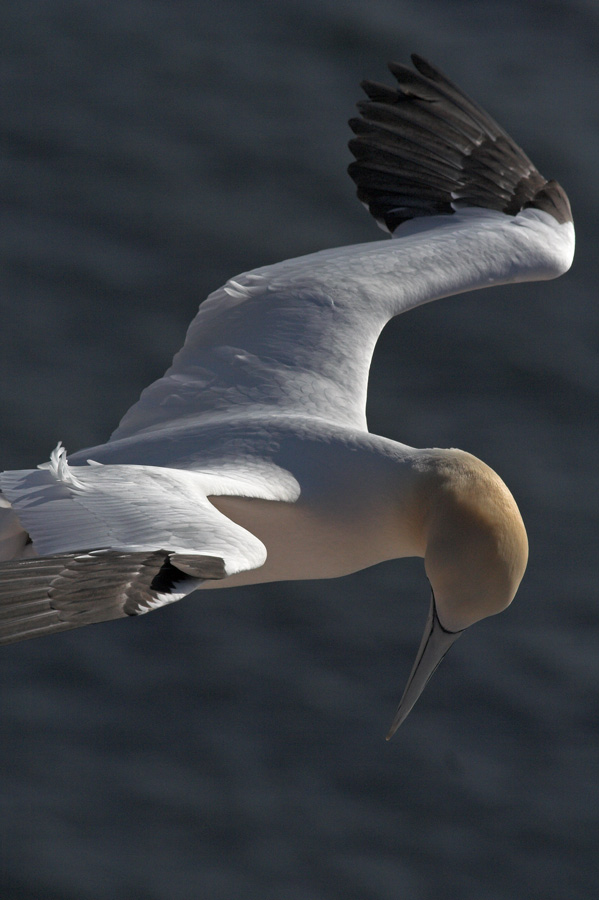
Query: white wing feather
(128, 508)
(297, 338)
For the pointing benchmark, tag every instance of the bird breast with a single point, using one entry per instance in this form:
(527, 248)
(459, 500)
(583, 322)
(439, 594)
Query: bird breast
(307, 540)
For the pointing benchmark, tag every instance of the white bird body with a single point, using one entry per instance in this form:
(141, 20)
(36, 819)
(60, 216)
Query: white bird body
(353, 510)
(250, 459)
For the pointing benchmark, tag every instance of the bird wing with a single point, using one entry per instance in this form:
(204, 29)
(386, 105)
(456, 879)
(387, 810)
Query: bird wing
(297, 338)
(42, 595)
(113, 541)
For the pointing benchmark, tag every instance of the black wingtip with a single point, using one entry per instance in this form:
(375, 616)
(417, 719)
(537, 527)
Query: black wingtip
(552, 198)
(425, 148)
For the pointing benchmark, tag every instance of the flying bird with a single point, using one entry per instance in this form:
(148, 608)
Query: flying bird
(250, 460)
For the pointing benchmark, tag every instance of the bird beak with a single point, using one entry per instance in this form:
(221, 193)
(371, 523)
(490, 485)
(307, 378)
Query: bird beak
(435, 643)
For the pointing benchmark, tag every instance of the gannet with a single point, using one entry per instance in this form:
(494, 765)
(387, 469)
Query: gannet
(250, 460)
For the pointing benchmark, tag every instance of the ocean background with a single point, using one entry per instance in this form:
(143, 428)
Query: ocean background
(232, 745)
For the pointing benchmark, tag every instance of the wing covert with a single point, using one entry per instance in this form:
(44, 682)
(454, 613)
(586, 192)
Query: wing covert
(129, 508)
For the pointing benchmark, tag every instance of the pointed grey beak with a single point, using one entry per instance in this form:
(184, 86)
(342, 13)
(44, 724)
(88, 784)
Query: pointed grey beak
(435, 643)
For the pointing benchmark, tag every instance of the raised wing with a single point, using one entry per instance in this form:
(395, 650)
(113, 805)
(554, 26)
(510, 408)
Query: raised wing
(297, 338)
(427, 149)
(112, 541)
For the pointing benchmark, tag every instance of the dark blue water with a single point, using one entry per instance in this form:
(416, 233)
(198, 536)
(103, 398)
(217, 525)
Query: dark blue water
(231, 746)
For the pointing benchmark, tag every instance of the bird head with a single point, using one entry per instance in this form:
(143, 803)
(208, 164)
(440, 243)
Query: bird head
(475, 554)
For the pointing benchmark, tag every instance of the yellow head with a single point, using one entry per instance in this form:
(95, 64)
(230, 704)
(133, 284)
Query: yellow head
(475, 554)
(476, 545)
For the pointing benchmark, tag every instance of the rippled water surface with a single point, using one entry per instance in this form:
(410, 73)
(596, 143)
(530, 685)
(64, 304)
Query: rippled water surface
(231, 746)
